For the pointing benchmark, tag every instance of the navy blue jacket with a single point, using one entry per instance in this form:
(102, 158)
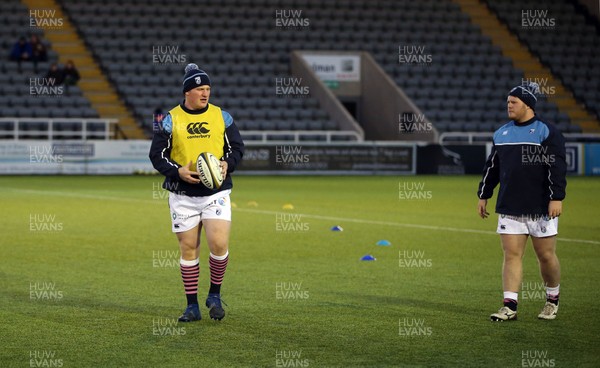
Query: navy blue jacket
(160, 152)
(528, 160)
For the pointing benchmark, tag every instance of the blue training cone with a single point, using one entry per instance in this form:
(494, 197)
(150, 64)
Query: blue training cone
(368, 257)
(384, 243)
(337, 228)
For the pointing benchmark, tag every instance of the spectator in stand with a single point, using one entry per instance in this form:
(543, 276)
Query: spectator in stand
(157, 118)
(38, 50)
(70, 74)
(34, 40)
(21, 51)
(56, 74)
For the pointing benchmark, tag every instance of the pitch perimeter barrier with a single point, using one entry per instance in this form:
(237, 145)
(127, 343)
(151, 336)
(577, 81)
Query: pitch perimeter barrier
(38, 157)
(364, 158)
(126, 157)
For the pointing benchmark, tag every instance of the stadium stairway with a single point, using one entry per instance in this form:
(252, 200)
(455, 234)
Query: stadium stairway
(532, 68)
(94, 85)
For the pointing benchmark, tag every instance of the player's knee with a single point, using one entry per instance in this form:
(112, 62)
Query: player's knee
(219, 248)
(547, 257)
(188, 244)
(513, 254)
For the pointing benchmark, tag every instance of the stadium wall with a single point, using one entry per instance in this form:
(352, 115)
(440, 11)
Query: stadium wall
(43, 157)
(324, 94)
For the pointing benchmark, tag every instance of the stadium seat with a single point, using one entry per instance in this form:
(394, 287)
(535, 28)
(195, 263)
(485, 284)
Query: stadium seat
(570, 53)
(246, 56)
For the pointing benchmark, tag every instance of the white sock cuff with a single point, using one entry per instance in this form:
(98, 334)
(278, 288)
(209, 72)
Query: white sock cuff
(553, 290)
(511, 295)
(193, 262)
(219, 258)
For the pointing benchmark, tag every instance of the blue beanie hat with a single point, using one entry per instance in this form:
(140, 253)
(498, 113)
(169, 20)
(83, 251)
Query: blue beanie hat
(526, 93)
(194, 77)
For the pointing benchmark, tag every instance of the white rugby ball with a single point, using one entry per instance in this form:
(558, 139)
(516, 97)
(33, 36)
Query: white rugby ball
(209, 170)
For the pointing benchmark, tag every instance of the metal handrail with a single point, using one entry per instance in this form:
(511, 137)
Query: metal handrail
(110, 126)
(570, 137)
(299, 136)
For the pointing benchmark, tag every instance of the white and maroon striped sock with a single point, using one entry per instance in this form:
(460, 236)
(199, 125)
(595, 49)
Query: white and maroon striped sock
(190, 270)
(217, 266)
(552, 294)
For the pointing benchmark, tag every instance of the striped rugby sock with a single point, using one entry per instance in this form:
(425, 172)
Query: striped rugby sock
(511, 300)
(552, 294)
(190, 270)
(217, 266)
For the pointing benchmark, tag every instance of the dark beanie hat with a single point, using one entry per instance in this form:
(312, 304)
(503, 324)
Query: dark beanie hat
(194, 77)
(526, 93)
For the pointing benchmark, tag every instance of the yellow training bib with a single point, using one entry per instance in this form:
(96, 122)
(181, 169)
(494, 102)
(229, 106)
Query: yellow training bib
(196, 133)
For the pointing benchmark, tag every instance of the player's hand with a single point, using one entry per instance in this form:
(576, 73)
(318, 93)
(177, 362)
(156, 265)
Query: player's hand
(186, 174)
(224, 166)
(554, 208)
(483, 213)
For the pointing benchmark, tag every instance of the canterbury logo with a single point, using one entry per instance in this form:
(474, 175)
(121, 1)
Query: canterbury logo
(197, 128)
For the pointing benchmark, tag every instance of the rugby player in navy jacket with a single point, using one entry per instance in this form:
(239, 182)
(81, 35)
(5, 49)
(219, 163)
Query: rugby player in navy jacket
(528, 161)
(190, 128)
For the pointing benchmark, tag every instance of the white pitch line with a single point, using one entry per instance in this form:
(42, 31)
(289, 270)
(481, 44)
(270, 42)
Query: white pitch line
(89, 196)
(265, 212)
(373, 222)
(416, 226)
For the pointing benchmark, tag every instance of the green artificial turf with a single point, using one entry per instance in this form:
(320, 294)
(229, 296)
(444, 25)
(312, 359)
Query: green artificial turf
(89, 277)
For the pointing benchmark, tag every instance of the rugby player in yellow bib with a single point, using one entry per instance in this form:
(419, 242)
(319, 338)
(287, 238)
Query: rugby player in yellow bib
(192, 127)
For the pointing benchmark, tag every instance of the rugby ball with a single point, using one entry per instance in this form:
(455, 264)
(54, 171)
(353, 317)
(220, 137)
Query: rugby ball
(209, 170)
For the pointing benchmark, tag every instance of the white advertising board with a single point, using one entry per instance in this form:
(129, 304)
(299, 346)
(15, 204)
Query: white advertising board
(74, 157)
(340, 68)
